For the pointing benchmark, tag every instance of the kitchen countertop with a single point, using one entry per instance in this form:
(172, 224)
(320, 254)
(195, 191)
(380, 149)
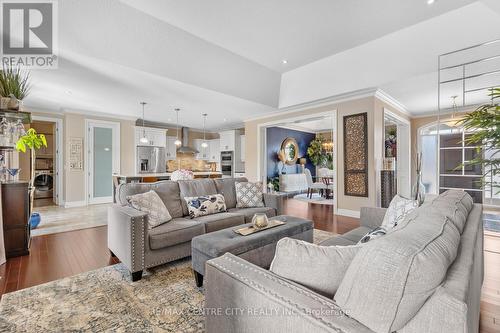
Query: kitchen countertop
(168, 174)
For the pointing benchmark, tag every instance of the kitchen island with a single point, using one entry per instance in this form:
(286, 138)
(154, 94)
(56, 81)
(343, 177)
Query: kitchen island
(155, 177)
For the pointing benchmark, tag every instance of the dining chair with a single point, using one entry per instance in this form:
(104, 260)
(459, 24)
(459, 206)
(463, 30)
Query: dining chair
(311, 185)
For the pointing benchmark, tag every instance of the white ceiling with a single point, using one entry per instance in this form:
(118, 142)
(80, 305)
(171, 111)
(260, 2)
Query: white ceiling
(223, 57)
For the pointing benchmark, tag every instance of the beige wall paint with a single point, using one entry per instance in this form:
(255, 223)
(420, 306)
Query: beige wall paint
(343, 109)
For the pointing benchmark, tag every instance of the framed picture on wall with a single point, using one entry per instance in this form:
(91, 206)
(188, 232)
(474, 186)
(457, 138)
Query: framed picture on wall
(356, 155)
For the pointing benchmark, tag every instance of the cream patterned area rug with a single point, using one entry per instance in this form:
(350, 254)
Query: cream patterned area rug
(316, 199)
(166, 299)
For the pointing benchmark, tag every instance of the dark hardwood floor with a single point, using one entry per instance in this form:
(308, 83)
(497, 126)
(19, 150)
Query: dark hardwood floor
(65, 254)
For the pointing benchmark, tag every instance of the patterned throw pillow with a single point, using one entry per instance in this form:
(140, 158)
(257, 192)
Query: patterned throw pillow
(249, 194)
(397, 211)
(205, 205)
(375, 233)
(151, 204)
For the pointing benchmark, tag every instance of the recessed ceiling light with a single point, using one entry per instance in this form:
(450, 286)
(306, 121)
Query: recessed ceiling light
(430, 2)
(224, 119)
(69, 92)
(284, 61)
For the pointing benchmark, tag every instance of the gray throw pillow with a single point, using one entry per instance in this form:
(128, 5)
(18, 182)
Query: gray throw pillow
(319, 268)
(249, 194)
(150, 203)
(205, 205)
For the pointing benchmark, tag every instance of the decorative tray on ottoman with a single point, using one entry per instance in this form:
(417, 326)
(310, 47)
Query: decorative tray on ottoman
(251, 229)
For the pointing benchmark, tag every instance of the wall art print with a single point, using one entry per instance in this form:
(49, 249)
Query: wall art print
(356, 155)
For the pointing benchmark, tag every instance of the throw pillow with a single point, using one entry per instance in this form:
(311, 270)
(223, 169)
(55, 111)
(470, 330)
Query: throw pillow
(398, 209)
(205, 205)
(374, 234)
(249, 194)
(320, 268)
(150, 203)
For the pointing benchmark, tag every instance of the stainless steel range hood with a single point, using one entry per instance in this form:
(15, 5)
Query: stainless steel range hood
(185, 149)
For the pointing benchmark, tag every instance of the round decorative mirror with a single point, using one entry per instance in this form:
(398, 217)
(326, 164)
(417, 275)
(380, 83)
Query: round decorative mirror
(291, 150)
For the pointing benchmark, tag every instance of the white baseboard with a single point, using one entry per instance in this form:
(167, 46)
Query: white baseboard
(348, 212)
(69, 204)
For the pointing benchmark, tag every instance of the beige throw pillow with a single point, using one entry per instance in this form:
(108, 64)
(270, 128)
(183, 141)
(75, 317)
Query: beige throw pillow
(150, 203)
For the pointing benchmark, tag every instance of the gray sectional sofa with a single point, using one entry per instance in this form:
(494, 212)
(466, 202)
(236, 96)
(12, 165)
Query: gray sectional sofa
(399, 282)
(139, 247)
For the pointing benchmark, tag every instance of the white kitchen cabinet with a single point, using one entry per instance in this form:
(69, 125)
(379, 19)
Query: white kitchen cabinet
(156, 136)
(227, 140)
(171, 152)
(203, 153)
(214, 150)
(242, 147)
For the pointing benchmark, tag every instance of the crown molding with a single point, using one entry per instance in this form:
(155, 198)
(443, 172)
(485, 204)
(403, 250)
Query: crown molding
(385, 97)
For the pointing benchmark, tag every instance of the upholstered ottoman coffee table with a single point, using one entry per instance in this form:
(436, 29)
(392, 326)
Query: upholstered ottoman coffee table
(257, 248)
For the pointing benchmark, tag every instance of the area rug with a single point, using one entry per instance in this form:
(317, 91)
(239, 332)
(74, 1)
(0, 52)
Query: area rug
(166, 299)
(316, 199)
(55, 219)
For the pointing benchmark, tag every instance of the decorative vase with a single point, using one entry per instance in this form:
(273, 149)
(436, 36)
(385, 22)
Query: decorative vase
(13, 104)
(35, 220)
(260, 221)
(4, 103)
(419, 190)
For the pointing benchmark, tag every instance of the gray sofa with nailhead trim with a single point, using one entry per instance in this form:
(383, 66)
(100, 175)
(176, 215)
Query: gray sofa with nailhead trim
(139, 248)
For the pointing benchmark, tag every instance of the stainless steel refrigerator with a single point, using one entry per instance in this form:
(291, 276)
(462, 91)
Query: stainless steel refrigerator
(151, 159)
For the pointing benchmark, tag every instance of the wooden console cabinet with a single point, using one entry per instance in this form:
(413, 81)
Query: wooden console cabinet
(15, 216)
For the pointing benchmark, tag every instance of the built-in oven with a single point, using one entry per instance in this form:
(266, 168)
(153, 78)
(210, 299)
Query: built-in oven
(226, 162)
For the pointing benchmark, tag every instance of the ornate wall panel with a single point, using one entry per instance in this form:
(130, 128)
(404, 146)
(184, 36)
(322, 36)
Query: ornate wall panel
(356, 155)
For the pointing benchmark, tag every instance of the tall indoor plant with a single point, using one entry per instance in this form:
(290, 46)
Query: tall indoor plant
(318, 155)
(483, 124)
(32, 141)
(14, 85)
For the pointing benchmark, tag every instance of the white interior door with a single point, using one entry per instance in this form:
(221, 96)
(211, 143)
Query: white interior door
(103, 143)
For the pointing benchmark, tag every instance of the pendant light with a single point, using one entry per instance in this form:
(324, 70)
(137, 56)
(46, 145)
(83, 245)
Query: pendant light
(177, 142)
(204, 144)
(143, 139)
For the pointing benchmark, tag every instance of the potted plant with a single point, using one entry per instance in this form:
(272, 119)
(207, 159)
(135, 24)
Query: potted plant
(484, 126)
(14, 86)
(33, 141)
(317, 153)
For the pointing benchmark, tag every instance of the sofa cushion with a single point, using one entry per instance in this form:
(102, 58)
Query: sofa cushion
(336, 241)
(320, 268)
(397, 211)
(167, 190)
(248, 213)
(356, 234)
(226, 187)
(205, 205)
(177, 231)
(195, 188)
(220, 221)
(389, 280)
(457, 212)
(151, 204)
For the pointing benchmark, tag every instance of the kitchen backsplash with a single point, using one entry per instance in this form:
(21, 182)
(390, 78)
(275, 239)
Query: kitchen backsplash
(188, 162)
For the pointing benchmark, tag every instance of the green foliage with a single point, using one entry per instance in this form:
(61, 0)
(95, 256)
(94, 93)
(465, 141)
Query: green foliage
(318, 155)
(275, 181)
(14, 82)
(484, 126)
(31, 140)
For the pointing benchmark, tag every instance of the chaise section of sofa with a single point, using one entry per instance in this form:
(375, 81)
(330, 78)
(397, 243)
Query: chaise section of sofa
(139, 247)
(257, 300)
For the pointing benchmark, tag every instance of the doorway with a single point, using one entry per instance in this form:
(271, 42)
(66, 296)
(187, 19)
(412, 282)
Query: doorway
(294, 180)
(103, 156)
(397, 144)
